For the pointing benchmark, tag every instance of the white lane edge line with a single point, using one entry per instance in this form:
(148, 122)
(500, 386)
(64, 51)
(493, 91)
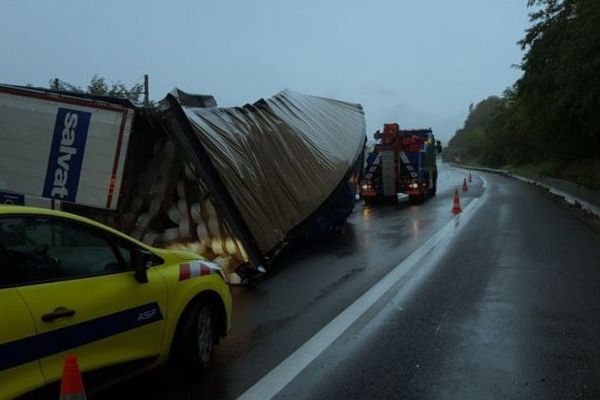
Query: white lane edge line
(280, 376)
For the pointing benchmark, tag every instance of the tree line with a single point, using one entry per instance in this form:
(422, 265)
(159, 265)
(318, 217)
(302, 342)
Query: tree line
(553, 111)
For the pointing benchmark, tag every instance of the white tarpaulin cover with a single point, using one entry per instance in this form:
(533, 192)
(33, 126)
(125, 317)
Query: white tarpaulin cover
(282, 157)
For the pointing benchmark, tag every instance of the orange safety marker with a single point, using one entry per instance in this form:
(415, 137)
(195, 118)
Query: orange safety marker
(71, 386)
(470, 179)
(465, 188)
(456, 208)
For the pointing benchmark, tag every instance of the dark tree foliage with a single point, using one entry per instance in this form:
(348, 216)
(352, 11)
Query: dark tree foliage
(553, 111)
(99, 86)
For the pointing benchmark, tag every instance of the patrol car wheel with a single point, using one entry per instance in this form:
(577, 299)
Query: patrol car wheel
(195, 341)
(204, 335)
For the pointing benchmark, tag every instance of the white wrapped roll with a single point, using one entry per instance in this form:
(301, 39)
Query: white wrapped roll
(234, 279)
(170, 235)
(189, 174)
(231, 247)
(174, 215)
(201, 231)
(185, 228)
(155, 204)
(181, 190)
(195, 247)
(243, 253)
(196, 212)
(210, 208)
(217, 245)
(142, 222)
(182, 206)
(213, 226)
(149, 238)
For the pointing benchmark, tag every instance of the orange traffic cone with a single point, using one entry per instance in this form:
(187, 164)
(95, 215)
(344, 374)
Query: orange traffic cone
(465, 188)
(456, 209)
(71, 386)
(470, 179)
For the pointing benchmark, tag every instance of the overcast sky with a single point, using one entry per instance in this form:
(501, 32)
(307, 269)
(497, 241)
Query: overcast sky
(418, 63)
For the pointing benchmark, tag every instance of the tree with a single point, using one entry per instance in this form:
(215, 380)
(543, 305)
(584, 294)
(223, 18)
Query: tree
(99, 86)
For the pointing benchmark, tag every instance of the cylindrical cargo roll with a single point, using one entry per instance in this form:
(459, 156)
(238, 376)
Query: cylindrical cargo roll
(149, 238)
(174, 215)
(185, 228)
(234, 279)
(182, 206)
(195, 247)
(170, 235)
(181, 190)
(161, 187)
(201, 231)
(142, 222)
(189, 174)
(196, 212)
(243, 253)
(155, 204)
(210, 208)
(217, 245)
(213, 226)
(231, 247)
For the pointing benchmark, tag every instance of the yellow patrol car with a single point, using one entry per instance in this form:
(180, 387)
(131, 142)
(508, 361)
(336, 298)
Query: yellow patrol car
(72, 285)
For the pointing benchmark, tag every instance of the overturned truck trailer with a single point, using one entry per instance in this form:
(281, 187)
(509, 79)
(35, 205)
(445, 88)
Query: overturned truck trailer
(233, 184)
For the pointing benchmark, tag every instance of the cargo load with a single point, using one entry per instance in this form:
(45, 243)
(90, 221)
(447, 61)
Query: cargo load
(233, 184)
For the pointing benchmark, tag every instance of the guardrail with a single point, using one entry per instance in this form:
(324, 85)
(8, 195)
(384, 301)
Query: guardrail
(573, 193)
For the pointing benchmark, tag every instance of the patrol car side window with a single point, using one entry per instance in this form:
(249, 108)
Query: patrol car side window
(45, 249)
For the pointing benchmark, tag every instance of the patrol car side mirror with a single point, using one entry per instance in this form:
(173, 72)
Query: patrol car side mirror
(141, 261)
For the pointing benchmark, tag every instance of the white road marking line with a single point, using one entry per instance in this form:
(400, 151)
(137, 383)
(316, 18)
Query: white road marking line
(280, 376)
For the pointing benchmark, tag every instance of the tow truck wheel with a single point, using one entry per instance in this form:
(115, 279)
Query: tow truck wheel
(195, 338)
(417, 199)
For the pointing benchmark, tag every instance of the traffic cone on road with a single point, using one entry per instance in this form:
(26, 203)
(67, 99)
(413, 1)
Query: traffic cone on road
(465, 188)
(470, 179)
(456, 208)
(71, 386)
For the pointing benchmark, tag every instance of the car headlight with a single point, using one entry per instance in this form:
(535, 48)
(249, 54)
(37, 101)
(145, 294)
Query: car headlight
(365, 187)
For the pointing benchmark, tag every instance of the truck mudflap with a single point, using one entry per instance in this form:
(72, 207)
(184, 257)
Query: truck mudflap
(274, 167)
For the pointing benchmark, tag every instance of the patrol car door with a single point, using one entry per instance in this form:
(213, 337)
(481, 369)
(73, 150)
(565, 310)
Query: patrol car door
(19, 366)
(80, 289)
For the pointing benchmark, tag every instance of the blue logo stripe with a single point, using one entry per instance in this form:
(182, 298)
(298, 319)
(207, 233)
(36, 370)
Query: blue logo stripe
(66, 154)
(46, 344)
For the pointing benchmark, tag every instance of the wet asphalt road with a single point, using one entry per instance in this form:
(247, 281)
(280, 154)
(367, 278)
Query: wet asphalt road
(508, 308)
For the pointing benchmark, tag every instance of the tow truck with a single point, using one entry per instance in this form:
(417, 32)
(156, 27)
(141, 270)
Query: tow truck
(401, 164)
